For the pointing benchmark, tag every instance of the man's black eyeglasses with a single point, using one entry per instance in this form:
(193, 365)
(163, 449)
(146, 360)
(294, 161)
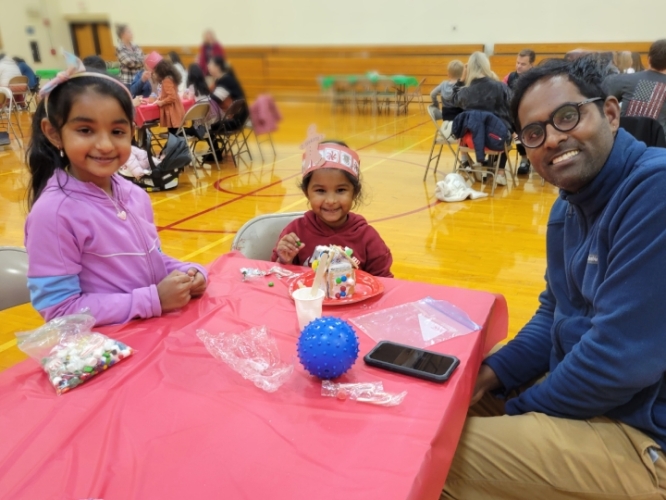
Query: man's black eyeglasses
(564, 119)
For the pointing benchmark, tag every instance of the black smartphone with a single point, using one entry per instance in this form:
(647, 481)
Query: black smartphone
(412, 361)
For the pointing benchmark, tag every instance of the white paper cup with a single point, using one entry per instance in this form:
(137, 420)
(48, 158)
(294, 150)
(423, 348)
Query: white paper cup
(307, 307)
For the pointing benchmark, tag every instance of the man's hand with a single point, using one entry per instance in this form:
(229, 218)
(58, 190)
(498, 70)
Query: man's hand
(146, 76)
(486, 381)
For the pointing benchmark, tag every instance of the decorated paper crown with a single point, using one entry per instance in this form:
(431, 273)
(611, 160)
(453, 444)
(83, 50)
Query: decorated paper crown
(152, 59)
(328, 155)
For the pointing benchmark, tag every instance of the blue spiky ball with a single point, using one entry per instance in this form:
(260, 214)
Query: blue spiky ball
(328, 347)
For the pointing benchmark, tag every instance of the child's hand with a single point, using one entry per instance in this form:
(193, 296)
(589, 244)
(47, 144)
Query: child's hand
(288, 248)
(174, 291)
(198, 282)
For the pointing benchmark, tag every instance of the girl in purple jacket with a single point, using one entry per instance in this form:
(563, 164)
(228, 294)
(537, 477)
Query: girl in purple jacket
(90, 236)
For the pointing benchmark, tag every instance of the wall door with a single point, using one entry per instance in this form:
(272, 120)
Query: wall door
(93, 39)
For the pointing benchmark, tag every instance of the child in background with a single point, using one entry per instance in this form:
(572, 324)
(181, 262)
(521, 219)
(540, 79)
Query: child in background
(332, 185)
(90, 236)
(178, 64)
(447, 90)
(171, 107)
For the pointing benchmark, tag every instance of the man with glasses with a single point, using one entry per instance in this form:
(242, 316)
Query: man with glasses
(575, 405)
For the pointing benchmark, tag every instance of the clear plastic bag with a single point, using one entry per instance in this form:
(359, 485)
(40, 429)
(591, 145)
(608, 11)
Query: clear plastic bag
(252, 353)
(249, 273)
(69, 352)
(420, 324)
(363, 392)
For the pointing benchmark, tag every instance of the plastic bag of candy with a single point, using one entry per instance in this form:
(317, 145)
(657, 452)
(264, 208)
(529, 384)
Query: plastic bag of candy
(70, 352)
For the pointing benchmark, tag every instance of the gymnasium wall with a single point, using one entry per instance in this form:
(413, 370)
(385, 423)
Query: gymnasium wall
(392, 22)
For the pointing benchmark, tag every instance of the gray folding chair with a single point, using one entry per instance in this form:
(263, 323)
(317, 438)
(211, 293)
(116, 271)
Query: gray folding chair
(439, 140)
(13, 277)
(257, 238)
(197, 113)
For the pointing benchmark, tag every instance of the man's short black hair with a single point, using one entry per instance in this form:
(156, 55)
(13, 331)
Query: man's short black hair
(528, 53)
(94, 63)
(657, 55)
(586, 73)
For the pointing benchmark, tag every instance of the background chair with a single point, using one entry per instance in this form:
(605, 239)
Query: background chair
(644, 129)
(417, 95)
(258, 236)
(6, 107)
(232, 136)
(439, 140)
(197, 113)
(13, 277)
(491, 169)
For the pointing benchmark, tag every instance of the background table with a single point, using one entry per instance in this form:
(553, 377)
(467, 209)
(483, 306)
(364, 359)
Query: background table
(50, 74)
(150, 112)
(172, 422)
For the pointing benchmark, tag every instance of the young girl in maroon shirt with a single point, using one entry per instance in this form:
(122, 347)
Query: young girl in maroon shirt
(332, 185)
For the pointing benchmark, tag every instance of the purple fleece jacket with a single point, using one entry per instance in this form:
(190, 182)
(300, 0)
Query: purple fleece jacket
(82, 255)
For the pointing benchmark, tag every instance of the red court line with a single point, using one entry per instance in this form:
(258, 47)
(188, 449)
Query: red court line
(219, 205)
(250, 193)
(390, 136)
(397, 216)
(183, 230)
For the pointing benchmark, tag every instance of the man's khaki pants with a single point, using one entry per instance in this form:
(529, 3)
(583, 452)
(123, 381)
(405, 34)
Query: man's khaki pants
(537, 457)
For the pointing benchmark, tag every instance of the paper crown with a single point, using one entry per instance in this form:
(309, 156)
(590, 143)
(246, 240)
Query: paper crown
(152, 59)
(327, 155)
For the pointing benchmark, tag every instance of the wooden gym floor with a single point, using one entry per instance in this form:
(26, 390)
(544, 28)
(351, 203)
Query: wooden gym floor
(493, 244)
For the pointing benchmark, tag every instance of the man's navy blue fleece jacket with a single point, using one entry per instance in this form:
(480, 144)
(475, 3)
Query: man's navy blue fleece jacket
(601, 327)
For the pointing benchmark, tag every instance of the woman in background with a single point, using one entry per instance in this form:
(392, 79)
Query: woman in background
(209, 49)
(129, 55)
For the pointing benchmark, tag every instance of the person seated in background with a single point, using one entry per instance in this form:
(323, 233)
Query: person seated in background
(143, 84)
(625, 62)
(644, 93)
(227, 89)
(446, 91)
(575, 405)
(94, 63)
(33, 79)
(636, 62)
(209, 49)
(178, 64)
(8, 70)
(484, 92)
(524, 62)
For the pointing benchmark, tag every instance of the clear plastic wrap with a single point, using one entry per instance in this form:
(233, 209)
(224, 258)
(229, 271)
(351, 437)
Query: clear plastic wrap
(363, 392)
(249, 273)
(252, 353)
(420, 324)
(69, 352)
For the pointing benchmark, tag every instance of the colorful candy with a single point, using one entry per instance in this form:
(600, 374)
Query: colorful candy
(80, 358)
(271, 284)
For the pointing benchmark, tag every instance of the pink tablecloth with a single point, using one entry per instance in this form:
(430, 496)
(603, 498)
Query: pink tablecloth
(174, 423)
(151, 112)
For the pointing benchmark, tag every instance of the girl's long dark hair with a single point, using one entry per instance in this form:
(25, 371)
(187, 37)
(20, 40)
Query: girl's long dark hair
(196, 78)
(42, 157)
(175, 58)
(165, 68)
